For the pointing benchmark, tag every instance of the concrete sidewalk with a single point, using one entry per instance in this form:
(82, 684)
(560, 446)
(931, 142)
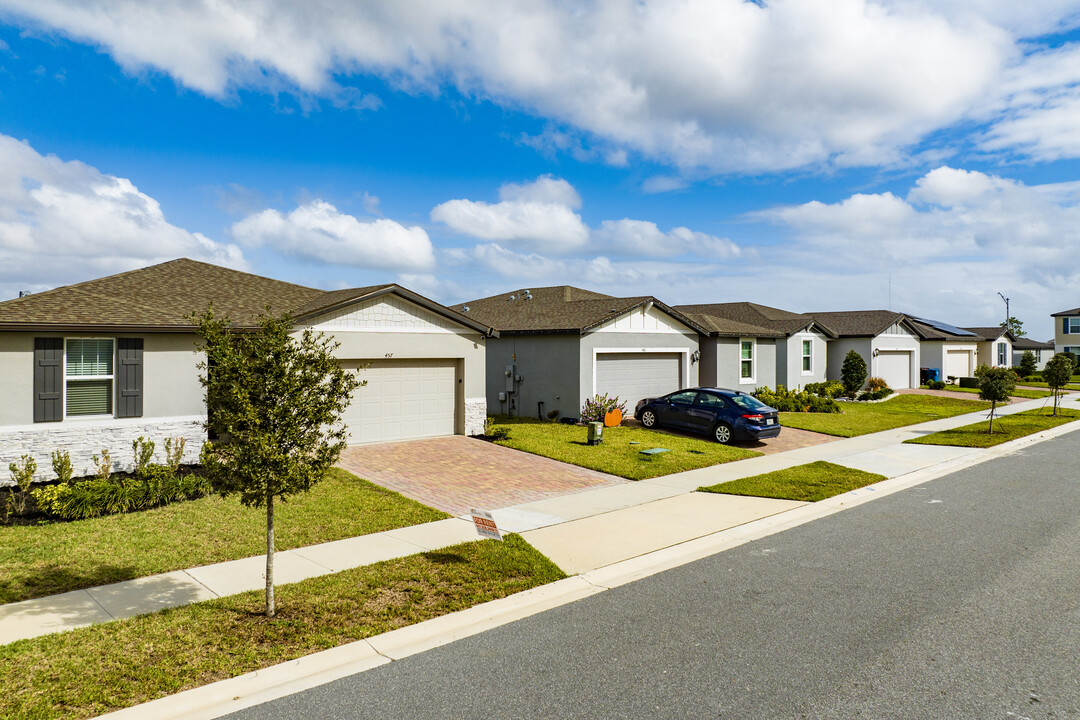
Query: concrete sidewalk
(580, 532)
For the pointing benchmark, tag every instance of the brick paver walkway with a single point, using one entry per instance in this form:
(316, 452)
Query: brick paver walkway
(456, 473)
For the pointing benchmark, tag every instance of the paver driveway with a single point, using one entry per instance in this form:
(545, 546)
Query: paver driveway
(456, 473)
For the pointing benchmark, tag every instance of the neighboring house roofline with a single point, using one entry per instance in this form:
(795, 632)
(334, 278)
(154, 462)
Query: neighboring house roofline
(742, 319)
(861, 323)
(989, 334)
(1066, 313)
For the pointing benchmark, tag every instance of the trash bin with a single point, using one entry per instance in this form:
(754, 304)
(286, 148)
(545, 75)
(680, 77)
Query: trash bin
(930, 375)
(596, 433)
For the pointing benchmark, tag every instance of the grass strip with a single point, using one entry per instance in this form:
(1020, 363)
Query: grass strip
(1006, 428)
(1017, 393)
(102, 668)
(616, 455)
(40, 560)
(1038, 384)
(807, 483)
(863, 418)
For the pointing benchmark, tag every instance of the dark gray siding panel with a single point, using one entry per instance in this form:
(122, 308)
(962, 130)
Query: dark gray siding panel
(48, 379)
(129, 377)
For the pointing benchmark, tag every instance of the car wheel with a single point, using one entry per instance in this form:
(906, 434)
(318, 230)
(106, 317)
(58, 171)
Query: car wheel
(722, 433)
(648, 418)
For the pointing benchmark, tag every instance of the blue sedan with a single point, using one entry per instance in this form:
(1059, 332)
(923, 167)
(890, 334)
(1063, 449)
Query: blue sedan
(724, 414)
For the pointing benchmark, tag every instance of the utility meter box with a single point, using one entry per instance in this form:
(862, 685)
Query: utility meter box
(596, 433)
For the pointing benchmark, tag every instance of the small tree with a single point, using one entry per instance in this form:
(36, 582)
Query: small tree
(1057, 373)
(1028, 363)
(274, 403)
(853, 372)
(1016, 325)
(995, 385)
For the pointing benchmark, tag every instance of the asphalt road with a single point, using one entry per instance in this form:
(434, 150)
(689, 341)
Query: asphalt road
(955, 599)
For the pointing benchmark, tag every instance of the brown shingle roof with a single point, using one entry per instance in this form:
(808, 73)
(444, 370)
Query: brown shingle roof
(1026, 343)
(989, 333)
(161, 297)
(559, 309)
(856, 323)
(746, 318)
(1067, 313)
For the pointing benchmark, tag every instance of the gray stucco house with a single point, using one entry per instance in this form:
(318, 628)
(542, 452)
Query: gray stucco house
(558, 346)
(1042, 351)
(951, 350)
(886, 340)
(750, 345)
(994, 345)
(97, 364)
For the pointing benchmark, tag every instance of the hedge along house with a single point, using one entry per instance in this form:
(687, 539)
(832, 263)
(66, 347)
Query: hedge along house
(994, 345)
(98, 364)
(951, 350)
(886, 340)
(559, 346)
(750, 345)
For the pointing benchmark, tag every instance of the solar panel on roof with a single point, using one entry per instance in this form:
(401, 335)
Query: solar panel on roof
(944, 327)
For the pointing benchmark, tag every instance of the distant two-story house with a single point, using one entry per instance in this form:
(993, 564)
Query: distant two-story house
(1067, 331)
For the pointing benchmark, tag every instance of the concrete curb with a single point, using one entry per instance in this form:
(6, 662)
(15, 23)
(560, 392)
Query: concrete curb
(254, 688)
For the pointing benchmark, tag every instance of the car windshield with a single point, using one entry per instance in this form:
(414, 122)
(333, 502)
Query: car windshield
(746, 402)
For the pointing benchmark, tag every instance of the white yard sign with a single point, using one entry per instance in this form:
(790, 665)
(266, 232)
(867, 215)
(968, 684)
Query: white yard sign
(485, 524)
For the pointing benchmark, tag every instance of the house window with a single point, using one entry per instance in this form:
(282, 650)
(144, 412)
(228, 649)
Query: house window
(1072, 349)
(807, 356)
(88, 376)
(1001, 348)
(1071, 325)
(746, 361)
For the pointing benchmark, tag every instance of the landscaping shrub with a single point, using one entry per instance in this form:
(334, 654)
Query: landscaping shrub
(143, 450)
(22, 473)
(495, 432)
(786, 400)
(874, 384)
(61, 465)
(935, 385)
(830, 389)
(96, 497)
(598, 406)
(853, 372)
(1028, 364)
(879, 394)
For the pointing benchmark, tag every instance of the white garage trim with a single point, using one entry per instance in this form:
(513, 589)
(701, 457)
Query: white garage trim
(403, 400)
(957, 363)
(684, 360)
(895, 367)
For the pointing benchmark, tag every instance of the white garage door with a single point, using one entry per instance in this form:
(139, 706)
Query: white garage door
(895, 367)
(957, 363)
(633, 376)
(403, 399)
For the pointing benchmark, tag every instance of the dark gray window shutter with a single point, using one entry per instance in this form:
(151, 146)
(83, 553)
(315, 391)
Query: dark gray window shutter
(48, 379)
(129, 377)
(1065, 325)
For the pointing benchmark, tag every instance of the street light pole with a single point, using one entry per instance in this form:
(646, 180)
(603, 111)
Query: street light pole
(1007, 315)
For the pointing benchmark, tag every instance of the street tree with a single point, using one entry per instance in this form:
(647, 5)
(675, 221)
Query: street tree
(1057, 374)
(996, 385)
(853, 372)
(1016, 325)
(1028, 364)
(274, 404)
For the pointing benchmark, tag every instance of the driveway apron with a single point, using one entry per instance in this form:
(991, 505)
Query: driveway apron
(457, 473)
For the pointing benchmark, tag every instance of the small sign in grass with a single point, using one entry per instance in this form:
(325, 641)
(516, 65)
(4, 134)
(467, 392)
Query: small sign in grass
(807, 483)
(1006, 428)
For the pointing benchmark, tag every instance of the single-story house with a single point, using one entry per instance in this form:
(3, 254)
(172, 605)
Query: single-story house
(950, 350)
(751, 345)
(886, 340)
(1067, 331)
(98, 364)
(559, 346)
(1042, 351)
(995, 345)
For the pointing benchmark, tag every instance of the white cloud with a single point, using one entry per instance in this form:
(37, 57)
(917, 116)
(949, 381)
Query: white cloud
(539, 215)
(318, 231)
(725, 85)
(643, 238)
(66, 221)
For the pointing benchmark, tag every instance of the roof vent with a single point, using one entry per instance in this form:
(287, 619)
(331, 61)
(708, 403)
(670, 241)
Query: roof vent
(528, 295)
(465, 308)
(24, 293)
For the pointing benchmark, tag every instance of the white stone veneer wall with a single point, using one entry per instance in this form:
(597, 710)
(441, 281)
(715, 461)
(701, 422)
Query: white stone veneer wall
(475, 415)
(84, 439)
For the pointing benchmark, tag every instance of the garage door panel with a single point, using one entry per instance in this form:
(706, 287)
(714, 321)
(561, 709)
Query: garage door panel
(633, 376)
(958, 363)
(403, 399)
(895, 367)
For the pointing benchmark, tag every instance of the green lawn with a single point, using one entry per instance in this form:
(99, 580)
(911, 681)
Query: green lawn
(1008, 427)
(1017, 393)
(98, 669)
(39, 560)
(807, 483)
(616, 455)
(1070, 386)
(864, 418)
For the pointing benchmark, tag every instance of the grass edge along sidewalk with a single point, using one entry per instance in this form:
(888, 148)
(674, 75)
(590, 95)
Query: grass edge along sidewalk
(858, 418)
(1006, 428)
(806, 483)
(101, 668)
(41, 560)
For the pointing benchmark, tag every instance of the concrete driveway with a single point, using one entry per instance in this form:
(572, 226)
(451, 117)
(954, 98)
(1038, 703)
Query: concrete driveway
(456, 473)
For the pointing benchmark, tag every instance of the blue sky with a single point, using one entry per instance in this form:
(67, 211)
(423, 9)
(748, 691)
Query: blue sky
(807, 154)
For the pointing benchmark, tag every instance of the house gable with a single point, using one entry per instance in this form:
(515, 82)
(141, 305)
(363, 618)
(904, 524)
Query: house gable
(387, 313)
(644, 319)
(898, 329)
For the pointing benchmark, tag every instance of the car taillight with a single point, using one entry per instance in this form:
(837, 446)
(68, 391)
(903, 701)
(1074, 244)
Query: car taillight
(754, 418)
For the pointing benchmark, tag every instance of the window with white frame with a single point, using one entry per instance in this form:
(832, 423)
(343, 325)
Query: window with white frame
(1071, 325)
(807, 356)
(1002, 349)
(1075, 350)
(746, 361)
(88, 376)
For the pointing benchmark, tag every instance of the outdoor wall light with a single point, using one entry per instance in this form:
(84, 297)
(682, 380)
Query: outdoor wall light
(695, 356)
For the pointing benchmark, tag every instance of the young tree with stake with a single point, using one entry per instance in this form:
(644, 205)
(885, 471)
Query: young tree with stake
(995, 385)
(1057, 374)
(274, 403)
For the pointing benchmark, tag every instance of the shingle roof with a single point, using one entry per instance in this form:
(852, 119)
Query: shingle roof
(1026, 343)
(989, 333)
(1066, 313)
(161, 297)
(856, 323)
(747, 319)
(939, 331)
(558, 309)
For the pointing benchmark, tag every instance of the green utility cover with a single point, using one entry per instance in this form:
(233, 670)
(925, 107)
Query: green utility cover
(654, 451)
